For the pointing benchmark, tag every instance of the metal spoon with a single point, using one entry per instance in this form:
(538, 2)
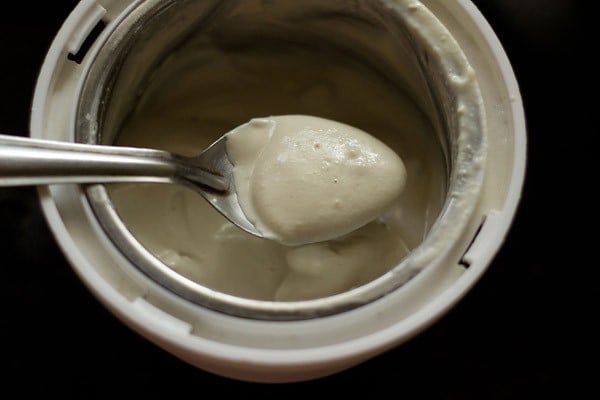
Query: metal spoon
(26, 162)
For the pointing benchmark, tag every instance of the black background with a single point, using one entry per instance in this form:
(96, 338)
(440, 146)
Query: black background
(511, 337)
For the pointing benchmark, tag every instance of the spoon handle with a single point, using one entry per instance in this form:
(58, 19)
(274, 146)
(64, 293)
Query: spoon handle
(25, 162)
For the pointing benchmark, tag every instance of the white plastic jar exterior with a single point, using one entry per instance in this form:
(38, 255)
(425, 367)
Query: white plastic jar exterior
(277, 351)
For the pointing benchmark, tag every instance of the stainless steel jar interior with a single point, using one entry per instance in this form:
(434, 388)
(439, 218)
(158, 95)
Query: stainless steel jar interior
(366, 31)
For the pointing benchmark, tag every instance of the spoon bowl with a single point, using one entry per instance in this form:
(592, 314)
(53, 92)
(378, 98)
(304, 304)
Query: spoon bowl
(27, 162)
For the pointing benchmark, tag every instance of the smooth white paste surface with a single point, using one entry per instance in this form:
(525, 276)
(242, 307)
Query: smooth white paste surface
(183, 112)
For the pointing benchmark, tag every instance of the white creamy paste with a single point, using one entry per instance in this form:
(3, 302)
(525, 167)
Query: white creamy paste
(183, 112)
(302, 179)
